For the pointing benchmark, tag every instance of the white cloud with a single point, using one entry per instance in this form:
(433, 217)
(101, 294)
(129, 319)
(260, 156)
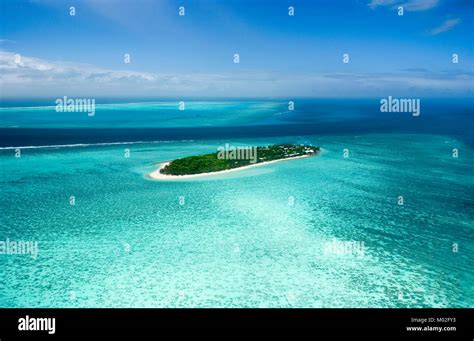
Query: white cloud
(380, 3)
(445, 26)
(34, 77)
(408, 5)
(419, 5)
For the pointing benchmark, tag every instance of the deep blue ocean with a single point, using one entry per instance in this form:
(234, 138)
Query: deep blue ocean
(150, 120)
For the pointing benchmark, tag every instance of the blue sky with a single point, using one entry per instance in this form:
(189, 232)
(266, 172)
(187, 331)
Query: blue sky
(280, 56)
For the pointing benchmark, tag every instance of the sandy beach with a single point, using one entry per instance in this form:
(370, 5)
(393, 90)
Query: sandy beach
(156, 175)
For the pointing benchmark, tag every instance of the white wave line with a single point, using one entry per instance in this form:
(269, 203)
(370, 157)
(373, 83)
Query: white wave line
(88, 144)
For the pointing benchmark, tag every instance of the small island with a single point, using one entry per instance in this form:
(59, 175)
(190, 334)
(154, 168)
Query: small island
(230, 159)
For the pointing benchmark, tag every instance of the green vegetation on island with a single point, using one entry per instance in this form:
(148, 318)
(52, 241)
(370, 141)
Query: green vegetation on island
(230, 157)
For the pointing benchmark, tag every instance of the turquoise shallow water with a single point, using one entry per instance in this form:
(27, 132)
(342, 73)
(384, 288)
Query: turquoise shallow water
(238, 241)
(145, 114)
